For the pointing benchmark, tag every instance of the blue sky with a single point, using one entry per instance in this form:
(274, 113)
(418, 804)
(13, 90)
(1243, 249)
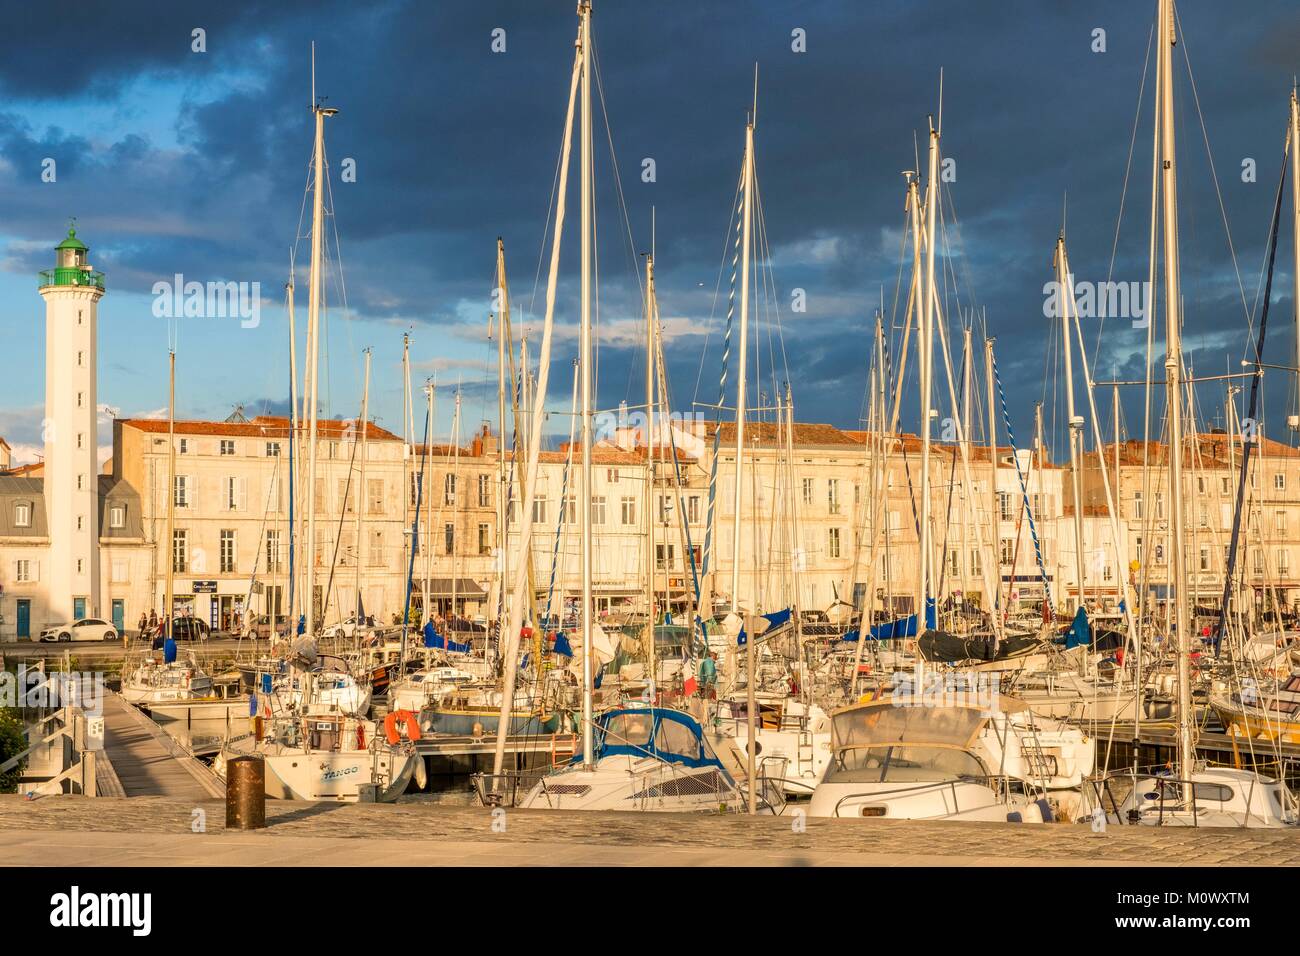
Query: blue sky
(195, 163)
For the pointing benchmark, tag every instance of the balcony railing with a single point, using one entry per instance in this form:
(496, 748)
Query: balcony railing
(71, 276)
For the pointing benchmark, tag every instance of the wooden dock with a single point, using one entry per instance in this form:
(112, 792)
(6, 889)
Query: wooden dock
(145, 762)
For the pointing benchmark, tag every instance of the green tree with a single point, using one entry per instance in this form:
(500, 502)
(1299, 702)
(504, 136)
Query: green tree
(12, 742)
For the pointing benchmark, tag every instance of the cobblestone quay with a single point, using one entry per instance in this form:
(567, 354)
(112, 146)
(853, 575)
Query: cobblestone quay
(68, 831)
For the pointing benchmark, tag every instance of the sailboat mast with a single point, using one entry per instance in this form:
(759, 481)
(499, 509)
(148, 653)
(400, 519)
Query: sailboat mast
(503, 474)
(995, 513)
(927, 370)
(1065, 290)
(426, 612)
(1173, 379)
(588, 674)
(361, 490)
(169, 599)
(746, 240)
(313, 327)
(295, 459)
(1295, 231)
(650, 466)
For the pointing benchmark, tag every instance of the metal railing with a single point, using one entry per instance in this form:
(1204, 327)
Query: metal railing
(71, 276)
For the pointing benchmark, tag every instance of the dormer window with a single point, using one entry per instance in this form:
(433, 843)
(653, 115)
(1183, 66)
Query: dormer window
(117, 516)
(22, 515)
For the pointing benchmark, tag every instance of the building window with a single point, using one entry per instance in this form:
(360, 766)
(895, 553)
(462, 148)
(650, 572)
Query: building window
(598, 510)
(273, 550)
(539, 510)
(611, 475)
(665, 509)
(449, 490)
(23, 571)
(81, 439)
(81, 522)
(23, 515)
(119, 572)
(629, 510)
(570, 515)
(833, 495)
(1205, 558)
(1006, 506)
(183, 446)
(234, 494)
(1279, 522)
(976, 564)
(484, 539)
(1137, 504)
(81, 482)
(1279, 481)
(808, 491)
(273, 449)
(833, 542)
(376, 549)
(1283, 562)
(81, 359)
(227, 551)
(449, 538)
(693, 509)
(1006, 551)
(663, 556)
(347, 496)
(181, 491)
(1226, 484)
(180, 551)
(484, 491)
(227, 446)
(81, 399)
(375, 495)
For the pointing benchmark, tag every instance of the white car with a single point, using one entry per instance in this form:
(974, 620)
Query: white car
(86, 629)
(348, 628)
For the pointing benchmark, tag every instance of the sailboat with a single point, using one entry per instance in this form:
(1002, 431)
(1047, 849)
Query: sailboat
(313, 748)
(167, 676)
(1193, 794)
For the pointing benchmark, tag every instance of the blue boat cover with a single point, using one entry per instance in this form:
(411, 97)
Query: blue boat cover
(903, 627)
(1080, 634)
(562, 645)
(669, 735)
(169, 651)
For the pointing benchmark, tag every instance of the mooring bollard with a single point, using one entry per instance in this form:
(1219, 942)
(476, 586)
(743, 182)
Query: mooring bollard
(245, 793)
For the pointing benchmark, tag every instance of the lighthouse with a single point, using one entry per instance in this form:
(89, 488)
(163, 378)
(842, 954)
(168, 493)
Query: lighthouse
(71, 291)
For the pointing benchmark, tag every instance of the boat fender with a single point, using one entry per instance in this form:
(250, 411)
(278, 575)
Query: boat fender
(1045, 809)
(407, 719)
(1015, 817)
(421, 773)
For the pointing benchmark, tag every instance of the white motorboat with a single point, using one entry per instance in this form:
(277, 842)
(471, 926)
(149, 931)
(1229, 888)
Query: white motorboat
(330, 756)
(648, 758)
(916, 763)
(1212, 797)
(155, 680)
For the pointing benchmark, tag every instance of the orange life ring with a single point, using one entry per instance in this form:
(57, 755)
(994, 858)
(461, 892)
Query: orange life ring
(407, 719)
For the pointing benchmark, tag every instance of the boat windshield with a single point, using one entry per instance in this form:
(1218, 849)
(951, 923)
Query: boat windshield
(904, 764)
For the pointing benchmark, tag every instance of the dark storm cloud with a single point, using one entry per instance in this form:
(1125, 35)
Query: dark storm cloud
(455, 145)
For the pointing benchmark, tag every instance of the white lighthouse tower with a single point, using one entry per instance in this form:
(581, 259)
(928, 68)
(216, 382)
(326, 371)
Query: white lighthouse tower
(71, 291)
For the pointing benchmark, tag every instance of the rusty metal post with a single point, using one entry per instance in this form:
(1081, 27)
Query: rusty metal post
(245, 793)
